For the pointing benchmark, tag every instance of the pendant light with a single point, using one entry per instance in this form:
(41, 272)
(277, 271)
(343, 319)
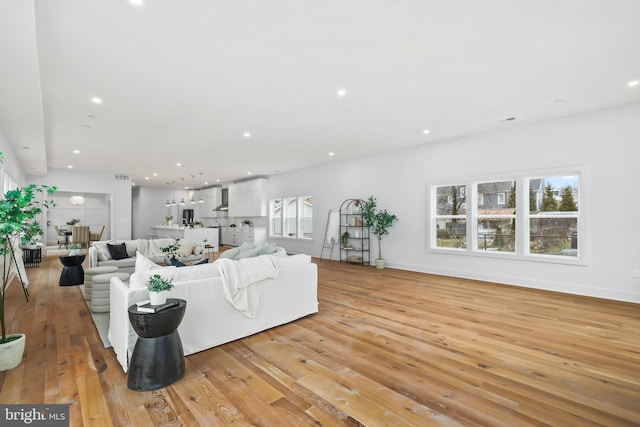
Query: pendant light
(200, 199)
(167, 203)
(77, 199)
(192, 201)
(182, 192)
(173, 202)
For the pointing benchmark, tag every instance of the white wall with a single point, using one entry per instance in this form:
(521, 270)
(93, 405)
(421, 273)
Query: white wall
(606, 142)
(118, 193)
(11, 163)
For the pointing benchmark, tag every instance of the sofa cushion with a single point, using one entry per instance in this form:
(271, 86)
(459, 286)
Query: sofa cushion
(118, 251)
(186, 247)
(138, 280)
(102, 251)
(143, 263)
(230, 253)
(132, 247)
(268, 248)
(254, 252)
(120, 263)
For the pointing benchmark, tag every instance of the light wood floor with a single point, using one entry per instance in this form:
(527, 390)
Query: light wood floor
(387, 348)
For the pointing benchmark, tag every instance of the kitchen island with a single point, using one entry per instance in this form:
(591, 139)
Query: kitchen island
(199, 235)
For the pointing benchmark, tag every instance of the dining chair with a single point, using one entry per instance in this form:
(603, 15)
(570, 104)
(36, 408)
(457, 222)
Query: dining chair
(62, 238)
(80, 235)
(95, 237)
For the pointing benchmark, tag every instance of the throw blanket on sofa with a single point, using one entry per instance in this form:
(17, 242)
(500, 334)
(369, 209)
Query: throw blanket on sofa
(240, 281)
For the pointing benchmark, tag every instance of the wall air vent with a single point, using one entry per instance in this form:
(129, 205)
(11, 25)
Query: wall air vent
(123, 178)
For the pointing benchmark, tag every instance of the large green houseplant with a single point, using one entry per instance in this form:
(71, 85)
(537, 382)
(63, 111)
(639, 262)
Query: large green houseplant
(378, 222)
(18, 210)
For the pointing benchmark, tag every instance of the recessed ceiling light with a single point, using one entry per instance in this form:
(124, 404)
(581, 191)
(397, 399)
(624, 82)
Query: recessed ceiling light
(96, 100)
(633, 83)
(147, 178)
(426, 131)
(178, 164)
(217, 180)
(247, 135)
(136, 2)
(76, 151)
(248, 173)
(155, 174)
(331, 153)
(342, 92)
(69, 167)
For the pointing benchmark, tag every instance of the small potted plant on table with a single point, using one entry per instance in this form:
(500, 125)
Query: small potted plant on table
(158, 288)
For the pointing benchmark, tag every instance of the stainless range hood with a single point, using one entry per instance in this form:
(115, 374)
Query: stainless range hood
(224, 206)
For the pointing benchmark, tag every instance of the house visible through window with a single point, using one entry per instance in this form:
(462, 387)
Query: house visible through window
(549, 209)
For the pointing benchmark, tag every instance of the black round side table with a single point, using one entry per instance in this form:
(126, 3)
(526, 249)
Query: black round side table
(158, 357)
(72, 272)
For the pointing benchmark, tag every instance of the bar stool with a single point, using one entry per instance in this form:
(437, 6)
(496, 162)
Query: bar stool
(208, 249)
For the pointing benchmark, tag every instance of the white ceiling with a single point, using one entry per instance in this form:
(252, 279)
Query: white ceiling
(182, 81)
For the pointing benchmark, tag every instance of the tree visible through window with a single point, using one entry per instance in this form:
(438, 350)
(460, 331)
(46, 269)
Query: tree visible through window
(551, 211)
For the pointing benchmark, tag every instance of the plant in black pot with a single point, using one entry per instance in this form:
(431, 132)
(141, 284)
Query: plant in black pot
(18, 209)
(378, 222)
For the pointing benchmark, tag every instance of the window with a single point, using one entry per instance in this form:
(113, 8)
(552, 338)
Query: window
(496, 220)
(291, 217)
(544, 222)
(553, 218)
(450, 218)
(276, 218)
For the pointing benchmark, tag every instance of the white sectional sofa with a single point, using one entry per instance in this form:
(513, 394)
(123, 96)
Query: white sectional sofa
(100, 256)
(210, 320)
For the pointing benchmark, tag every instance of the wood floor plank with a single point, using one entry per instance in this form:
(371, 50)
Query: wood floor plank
(388, 347)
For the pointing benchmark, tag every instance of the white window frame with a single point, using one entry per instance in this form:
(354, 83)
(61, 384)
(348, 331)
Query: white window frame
(436, 217)
(298, 220)
(522, 251)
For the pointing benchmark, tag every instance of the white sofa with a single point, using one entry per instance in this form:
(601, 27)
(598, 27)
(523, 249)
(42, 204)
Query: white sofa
(209, 319)
(99, 255)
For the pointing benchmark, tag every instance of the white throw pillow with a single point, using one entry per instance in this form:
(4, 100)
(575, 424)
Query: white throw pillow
(103, 250)
(138, 280)
(143, 263)
(186, 248)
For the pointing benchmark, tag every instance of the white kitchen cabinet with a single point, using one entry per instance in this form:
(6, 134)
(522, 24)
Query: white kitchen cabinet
(248, 199)
(212, 199)
(236, 236)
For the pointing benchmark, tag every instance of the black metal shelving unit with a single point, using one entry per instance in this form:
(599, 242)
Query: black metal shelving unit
(357, 247)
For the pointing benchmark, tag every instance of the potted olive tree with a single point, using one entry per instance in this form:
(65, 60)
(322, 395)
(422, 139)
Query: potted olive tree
(378, 222)
(18, 209)
(158, 287)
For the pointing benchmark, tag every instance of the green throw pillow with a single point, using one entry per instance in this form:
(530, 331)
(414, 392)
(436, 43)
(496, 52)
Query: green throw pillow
(249, 254)
(268, 248)
(230, 253)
